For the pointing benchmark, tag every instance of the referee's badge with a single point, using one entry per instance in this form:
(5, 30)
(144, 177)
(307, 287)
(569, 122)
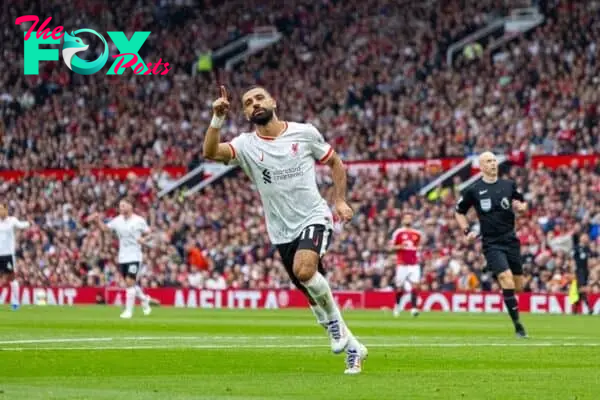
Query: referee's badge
(486, 204)
(505, 203)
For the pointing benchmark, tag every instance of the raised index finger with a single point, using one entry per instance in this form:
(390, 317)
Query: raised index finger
(223, 92)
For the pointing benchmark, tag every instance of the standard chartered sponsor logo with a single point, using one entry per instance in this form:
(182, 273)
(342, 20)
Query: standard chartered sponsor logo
(289, 173)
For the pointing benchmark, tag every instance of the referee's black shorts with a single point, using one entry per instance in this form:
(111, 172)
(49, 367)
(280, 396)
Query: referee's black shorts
(582, 277)
(314, 237)
(504, 255)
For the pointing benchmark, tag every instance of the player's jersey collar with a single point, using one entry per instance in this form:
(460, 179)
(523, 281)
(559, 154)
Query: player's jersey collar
(273, 138)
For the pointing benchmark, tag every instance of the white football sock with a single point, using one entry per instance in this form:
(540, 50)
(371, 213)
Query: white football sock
(140, 294)
(319, 290)
(14, 292)
(129, 299)
(319, 314)
(353, 343)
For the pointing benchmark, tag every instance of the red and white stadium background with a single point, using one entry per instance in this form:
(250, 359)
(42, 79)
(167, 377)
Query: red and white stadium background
(440, 164)
(542, 303)
(273, 299)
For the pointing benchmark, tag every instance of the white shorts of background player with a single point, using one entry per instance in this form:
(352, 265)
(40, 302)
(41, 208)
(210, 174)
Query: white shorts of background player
(407, 276)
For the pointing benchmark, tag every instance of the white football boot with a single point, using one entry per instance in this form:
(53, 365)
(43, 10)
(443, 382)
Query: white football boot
(126, 314)
(355, 358)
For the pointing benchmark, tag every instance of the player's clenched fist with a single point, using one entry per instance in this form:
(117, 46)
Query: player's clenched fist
(221, 105)
(343, 211)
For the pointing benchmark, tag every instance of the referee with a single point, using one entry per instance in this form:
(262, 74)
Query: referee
(581, 255)
(494, 200)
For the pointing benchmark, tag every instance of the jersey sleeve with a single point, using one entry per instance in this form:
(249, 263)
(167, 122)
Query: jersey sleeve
(112, 224)
(237, 148)
(397, 237)
(465, 202)
(144, 226)
(516, 195)
(320, 149)
(20, 224)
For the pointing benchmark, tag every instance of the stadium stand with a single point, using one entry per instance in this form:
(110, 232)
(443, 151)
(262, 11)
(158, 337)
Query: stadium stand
(202, 245)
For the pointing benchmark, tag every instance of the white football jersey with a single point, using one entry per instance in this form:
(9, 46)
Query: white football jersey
(129, 230)
(283, 170)
(8, 226)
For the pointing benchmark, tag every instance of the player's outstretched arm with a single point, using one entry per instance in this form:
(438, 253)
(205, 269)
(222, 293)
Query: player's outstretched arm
(338, 175)
(22, 224)
(212, 148)
(97, 218)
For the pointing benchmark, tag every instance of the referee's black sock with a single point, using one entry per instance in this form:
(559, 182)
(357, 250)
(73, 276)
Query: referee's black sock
(511, 304)
(583, 299)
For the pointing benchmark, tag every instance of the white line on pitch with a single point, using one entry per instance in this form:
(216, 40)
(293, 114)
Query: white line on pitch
(296, 346)
(211, 337)
(57, 340)
(260, 338)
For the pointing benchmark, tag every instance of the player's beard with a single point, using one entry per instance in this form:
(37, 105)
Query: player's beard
(264, 118)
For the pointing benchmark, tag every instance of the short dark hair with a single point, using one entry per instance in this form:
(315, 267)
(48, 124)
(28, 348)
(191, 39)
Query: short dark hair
(249, 88)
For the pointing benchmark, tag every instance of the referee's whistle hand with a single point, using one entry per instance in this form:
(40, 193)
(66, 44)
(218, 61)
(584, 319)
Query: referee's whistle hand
(471, 237)
(519, 206)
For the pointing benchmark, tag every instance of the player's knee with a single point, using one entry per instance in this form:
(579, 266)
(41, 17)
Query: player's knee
(305, 265)
(304, 271)
(518, 283)
(506, 280)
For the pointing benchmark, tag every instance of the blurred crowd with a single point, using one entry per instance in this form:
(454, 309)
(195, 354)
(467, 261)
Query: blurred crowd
(373, 79)
(218, 239)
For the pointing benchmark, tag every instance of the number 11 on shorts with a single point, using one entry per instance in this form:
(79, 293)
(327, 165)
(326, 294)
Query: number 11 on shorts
(310, 231)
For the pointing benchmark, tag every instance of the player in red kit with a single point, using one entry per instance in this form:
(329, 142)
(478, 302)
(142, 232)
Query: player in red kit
(406, 242)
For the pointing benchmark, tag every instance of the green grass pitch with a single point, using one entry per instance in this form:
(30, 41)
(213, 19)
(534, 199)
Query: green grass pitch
(88, 353)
